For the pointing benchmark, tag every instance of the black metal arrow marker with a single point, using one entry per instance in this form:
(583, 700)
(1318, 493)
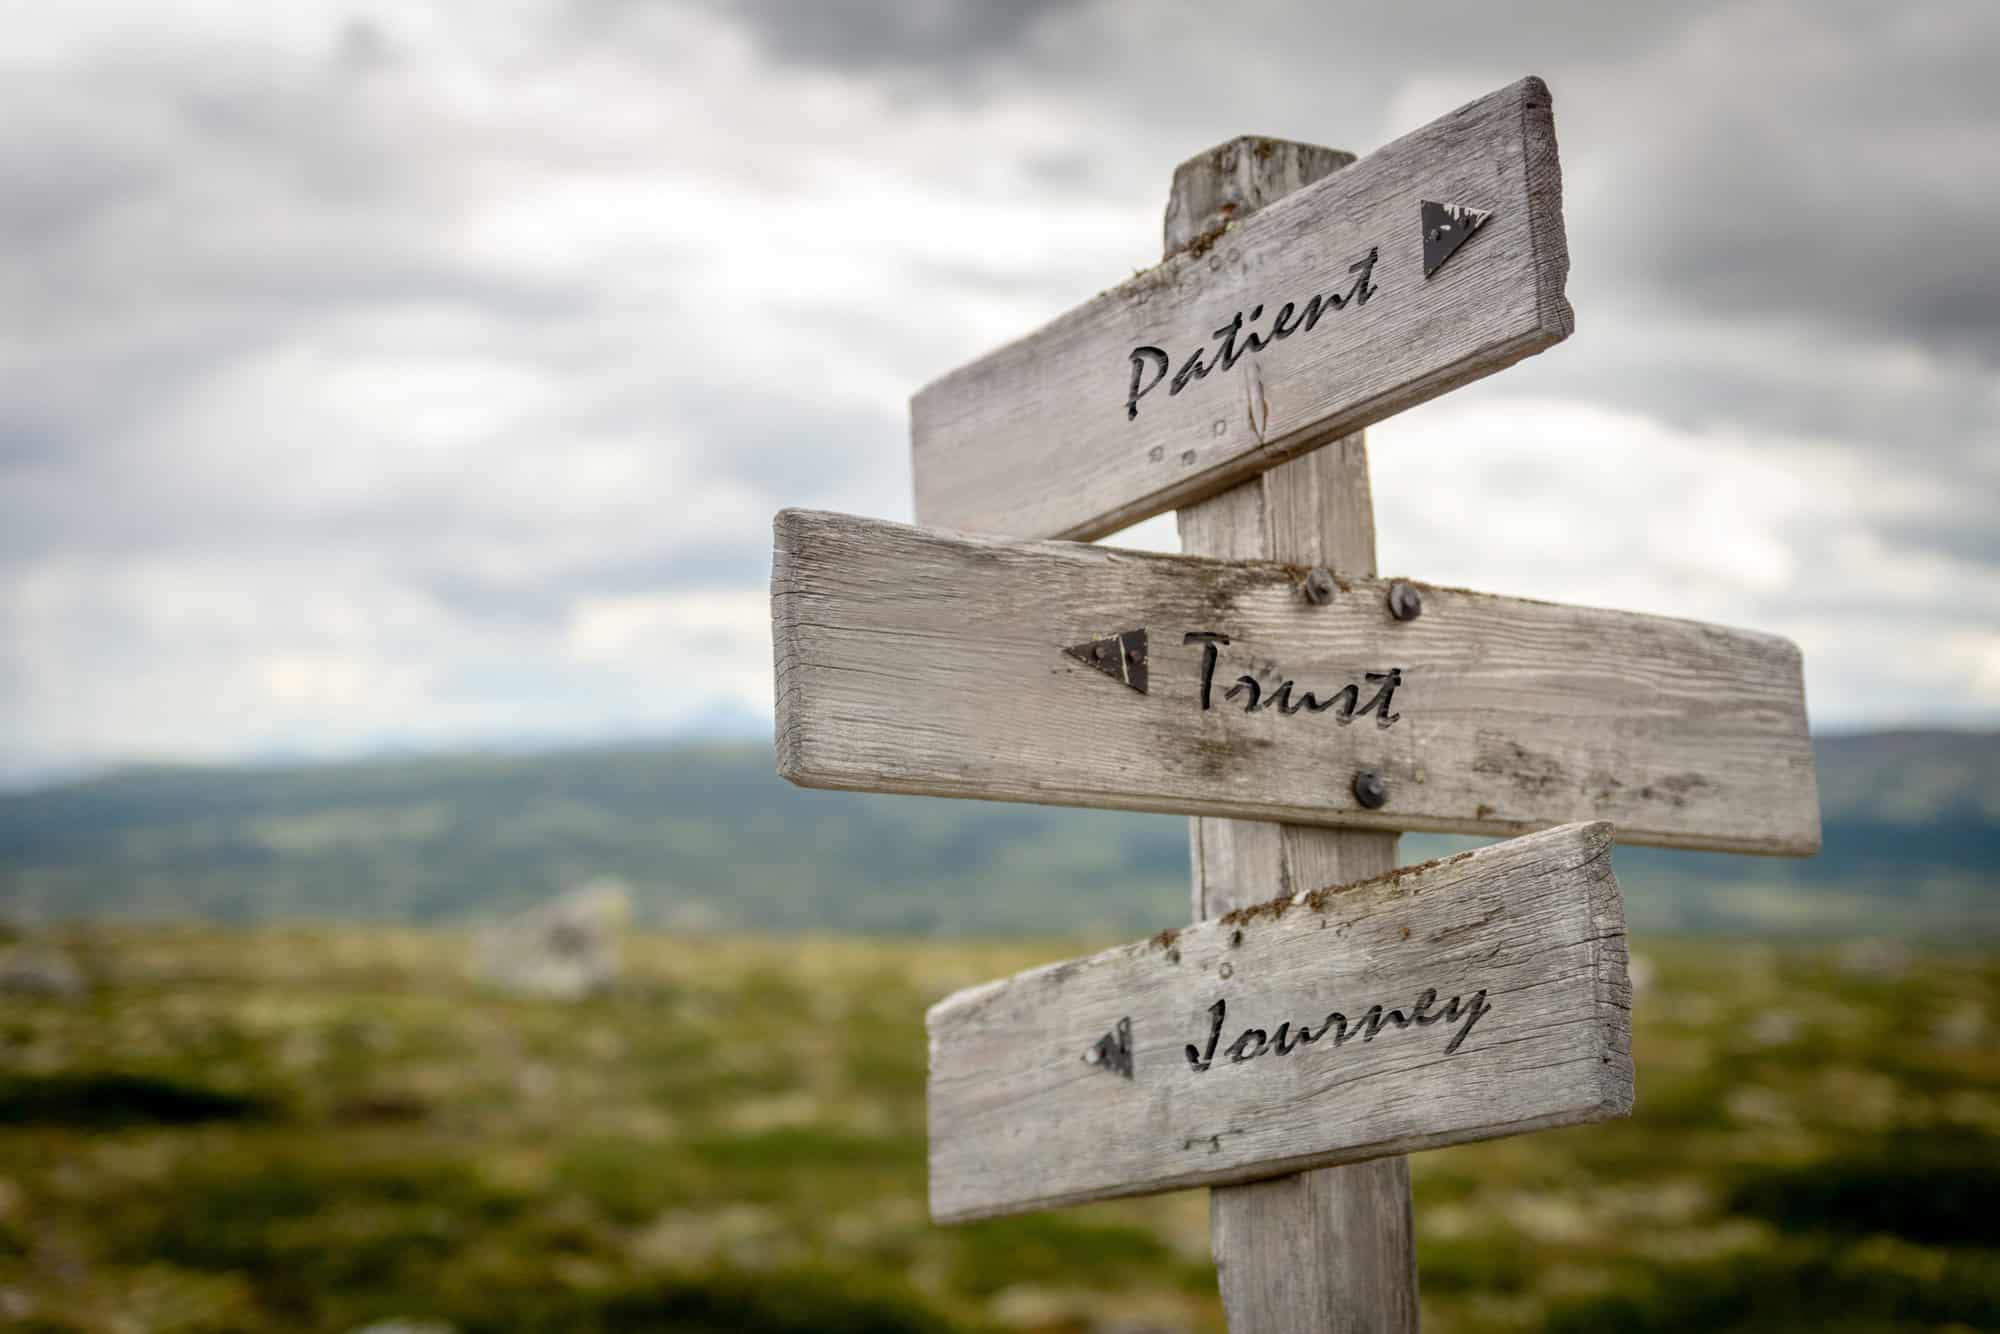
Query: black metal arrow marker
(1446, 228)
(1122, 657)
(1113, 1051)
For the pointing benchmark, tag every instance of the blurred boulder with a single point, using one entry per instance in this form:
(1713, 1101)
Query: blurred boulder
(1876, 960)
(565, 949)
(1962, 1026)
(1036, 1306)
(39, 970)
(1774, 1028)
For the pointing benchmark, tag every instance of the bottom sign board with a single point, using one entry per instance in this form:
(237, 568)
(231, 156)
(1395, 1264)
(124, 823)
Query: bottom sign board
(1481, 995)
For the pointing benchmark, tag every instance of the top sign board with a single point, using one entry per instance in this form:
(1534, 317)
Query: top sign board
(1435, 261)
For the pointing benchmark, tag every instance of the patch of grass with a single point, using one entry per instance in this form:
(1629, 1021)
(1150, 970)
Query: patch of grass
(685, 1153)
(886, 1066)
(798, 1302)
(1490, 1263)
(303, 1230)
(1947, 1193)
(1814, 1294)
(1053, 1248)
(1436, 1181)
(629, 1180)
(804, 1170)
(796, 1149)
(684, 1072)
(111, 1100)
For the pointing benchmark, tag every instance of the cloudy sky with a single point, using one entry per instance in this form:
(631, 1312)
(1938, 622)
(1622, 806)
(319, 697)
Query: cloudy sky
(411, 374)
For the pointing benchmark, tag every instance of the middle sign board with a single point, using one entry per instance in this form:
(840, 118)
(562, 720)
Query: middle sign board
(920, 661)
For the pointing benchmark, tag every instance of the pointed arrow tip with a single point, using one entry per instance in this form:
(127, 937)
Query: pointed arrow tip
(1113, 1051)
(1122, 657)
(1446, 228)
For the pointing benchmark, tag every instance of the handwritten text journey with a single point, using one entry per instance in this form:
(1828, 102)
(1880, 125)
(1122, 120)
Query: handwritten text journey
(1255, 1042)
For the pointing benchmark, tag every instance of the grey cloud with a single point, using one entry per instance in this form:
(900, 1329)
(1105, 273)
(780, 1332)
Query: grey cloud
(545, 601)
(1836, 166)
(1066, 39)
(1840, 170)
(1900, 623)
(1833, 162)
(793, 450)
(1062, 169)
(1944, 439)
(971, 280)
(55, 186)
(1855, 238)
(1971, 535)
(170, 215)
(203, 211)
(364, 47)
(866, 36)
(1946, 420)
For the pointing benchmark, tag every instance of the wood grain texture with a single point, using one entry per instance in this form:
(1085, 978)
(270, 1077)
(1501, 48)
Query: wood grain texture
(1332, 1249)
(1036, 439)
(1312, 510)
(1022, 1117)
(1235, 179)
(918, 661)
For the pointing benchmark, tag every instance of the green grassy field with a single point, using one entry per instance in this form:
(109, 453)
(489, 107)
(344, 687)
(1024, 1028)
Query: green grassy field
(307, 1129)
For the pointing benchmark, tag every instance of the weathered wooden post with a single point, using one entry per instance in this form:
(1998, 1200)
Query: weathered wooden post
(1334, 1249)
(1291, 1045)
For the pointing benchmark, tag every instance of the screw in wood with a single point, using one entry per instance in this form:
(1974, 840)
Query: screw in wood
(1405, 602)
(1319, 586)
(1370, 790)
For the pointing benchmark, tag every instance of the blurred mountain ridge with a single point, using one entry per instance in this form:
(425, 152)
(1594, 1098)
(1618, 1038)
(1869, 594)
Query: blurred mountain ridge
(707, 836)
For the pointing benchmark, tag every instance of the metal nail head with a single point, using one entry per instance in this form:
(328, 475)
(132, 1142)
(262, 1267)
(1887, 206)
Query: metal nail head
(1319, 586)
(1405, 602)
(1370, 790)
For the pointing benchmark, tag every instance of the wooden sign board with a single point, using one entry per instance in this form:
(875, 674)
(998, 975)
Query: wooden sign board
(1437, 260)
(917, 661)
(1464, 999)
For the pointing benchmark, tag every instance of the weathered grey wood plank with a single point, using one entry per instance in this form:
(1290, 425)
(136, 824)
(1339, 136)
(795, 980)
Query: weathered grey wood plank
(1331, 1250)
(1235, 179)
(1312, 510)
(1251, 1045)
(918, 661)
(1044, 437)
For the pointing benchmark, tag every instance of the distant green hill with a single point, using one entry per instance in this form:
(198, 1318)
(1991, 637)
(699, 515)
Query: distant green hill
(708, 835)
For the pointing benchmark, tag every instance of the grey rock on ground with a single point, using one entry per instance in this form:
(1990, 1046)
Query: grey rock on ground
(39, 970)
(564, 949)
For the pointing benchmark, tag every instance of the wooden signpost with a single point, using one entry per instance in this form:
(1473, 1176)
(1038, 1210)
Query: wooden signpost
(1297, 1025)
(1433, 262)
(927, 662)
(1477, 996)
